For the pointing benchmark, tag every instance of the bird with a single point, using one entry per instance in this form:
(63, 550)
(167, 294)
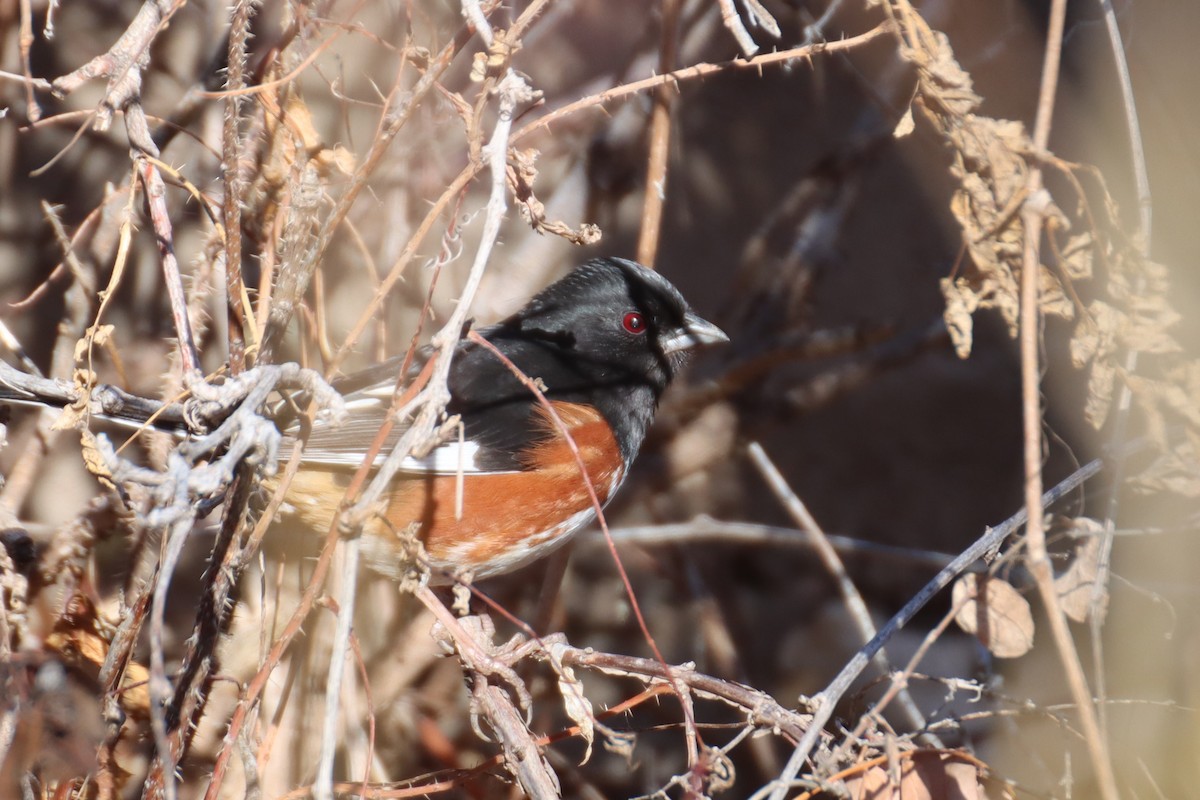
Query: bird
(604, 341)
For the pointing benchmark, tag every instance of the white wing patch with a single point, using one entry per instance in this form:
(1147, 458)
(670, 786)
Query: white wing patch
(380, 391)
(449, 458)
(362, 403)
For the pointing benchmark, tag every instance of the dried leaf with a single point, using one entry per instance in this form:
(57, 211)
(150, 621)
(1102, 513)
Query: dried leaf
(336, 159)
(1183, 397)
(575, 702)
(493, 63)
(905, 126)
(1144, 285)
(960, 304)
(1151, 396)
(947, 86)
(1078, 256)
(989, 162)
(1102, 379)
(93, 460)
(1077, 583)
(299, 120)
(97, 334)
(75, 415)
(1150, 334)
(1174, 396)
(1096, 334)
(1052, 297)
(522, 172)
(996, 613)
(1177, 471)
(1002, 293)
(79, 640)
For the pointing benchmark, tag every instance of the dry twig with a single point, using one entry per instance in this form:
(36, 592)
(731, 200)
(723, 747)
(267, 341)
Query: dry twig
(824, 702)
(1038, 561)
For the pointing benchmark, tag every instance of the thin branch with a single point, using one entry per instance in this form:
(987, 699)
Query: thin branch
(733, 21)
(77, 308)
(156, 199)
(104, 400)
(634, 605)
(762, 709)
(655, 190)
(400, 107)
(477, 17)
(512, 92)
(160, 686)
(453, 190)
(694, 71)
(1038, 561)
(24, 45)
(833, 564)
(41, 84)
(1137, 152)
(899, 683)
(231, 168)
(704, 529)
(464, 178)
(1096, 613)
(824, 703)
(323, 786)
(123, 63)
(193, 478)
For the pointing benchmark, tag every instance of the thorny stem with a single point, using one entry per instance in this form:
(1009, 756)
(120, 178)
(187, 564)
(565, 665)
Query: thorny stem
(156, 200)
(463, 179)
(231, 167)
(781, 57)
(453, 190)
(512, 91)
(323, 787)
(160, 686)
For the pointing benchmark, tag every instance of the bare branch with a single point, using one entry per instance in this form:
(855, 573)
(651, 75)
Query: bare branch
(1038, 561)
(825, 702)
(833, 564)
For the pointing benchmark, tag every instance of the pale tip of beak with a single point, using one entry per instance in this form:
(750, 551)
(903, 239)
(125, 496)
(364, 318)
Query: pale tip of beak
(696, 331)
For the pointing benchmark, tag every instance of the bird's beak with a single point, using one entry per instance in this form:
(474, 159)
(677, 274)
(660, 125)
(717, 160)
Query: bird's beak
(696, 331)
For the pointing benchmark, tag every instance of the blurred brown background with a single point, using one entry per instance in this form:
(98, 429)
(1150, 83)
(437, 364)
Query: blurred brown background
(790, 209)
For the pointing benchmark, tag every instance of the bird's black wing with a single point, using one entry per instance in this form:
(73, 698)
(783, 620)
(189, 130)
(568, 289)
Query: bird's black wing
(497, 410)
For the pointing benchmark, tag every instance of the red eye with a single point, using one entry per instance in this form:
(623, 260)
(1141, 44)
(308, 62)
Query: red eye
(634, 322)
